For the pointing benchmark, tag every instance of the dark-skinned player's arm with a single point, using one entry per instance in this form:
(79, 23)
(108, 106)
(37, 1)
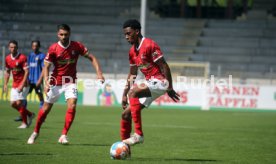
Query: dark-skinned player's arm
(130, 80)
(163, 65)
(40, 79)
(97, 66)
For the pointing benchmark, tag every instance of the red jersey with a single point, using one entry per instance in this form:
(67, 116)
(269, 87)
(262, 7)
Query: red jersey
(65, 61)
(17, 66)
(145, 56)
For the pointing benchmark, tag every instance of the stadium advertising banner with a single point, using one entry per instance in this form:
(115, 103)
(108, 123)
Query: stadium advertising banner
(191, 97)
(242, 97)
(111, 94)
(246, 97)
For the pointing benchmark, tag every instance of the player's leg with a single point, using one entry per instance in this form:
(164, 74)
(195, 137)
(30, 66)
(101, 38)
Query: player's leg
(52, 96)
(38, 91)
(17, 103)
(71, 95)
(126, 121)
(25, 103)
(134, 94)
(42, 114)
(70, 115)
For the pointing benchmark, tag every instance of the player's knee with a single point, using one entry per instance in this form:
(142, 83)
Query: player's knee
(132, 93)
(47, 107)
(126, 115)
(14, 104)
(72, 106)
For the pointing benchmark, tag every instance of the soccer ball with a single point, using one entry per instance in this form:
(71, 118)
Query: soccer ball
(119, 150)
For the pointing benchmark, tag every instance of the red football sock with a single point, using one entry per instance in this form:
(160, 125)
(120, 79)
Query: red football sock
(23, 113)
(135, 108)
(40, 119)
(125, 129)
(69, 118)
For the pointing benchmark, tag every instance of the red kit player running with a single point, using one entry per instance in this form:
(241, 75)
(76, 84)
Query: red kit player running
(145, 55)
(63, 55)
(17, 64)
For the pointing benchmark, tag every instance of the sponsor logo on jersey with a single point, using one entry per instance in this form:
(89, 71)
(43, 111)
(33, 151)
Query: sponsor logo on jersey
(146, 65)
(33, 64)
(16, 69)
(66, 61)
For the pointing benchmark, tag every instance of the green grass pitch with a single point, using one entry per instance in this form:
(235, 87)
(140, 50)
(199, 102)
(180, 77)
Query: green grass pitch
(171, 136)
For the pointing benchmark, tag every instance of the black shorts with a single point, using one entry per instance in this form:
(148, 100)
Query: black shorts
(38, 90)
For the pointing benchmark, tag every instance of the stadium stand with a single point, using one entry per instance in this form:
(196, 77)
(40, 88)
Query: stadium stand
(244, 48)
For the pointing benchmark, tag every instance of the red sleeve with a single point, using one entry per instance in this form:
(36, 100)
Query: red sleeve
(83, 50)
(50, 57)
(156, 53)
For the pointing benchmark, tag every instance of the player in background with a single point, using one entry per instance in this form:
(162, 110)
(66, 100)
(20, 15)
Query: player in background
(63, 55)
(36, 64)
(146, 56)
(16, 63)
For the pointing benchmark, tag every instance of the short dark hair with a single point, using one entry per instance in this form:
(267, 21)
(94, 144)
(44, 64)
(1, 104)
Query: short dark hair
(63, 27)
(36, 41)
(132, 23)
(13, 42)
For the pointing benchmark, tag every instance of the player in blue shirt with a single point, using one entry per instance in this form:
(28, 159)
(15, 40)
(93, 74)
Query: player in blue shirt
(36, 64)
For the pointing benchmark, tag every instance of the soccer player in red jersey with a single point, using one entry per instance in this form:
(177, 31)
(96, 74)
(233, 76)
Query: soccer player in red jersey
(63, 55)
(17, 64)
(146, 56)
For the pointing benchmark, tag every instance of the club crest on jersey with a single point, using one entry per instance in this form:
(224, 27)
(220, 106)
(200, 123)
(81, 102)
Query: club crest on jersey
(154, 54)
(73, 52)
(143, 57)
(36, 58)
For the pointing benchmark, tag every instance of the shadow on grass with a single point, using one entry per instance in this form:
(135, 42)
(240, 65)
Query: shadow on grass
(25, 154)
(7, 138)
(88, 144)
(192, 160)
(177, 160)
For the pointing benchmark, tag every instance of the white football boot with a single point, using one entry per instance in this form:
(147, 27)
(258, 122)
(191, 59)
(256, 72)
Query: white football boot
(134, 139)
(32, 138)
(22, 126)
(63, 139)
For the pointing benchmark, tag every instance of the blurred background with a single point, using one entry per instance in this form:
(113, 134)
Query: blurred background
(234, 37)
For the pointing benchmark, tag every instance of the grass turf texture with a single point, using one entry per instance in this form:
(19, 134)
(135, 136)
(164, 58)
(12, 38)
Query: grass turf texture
(171, 136)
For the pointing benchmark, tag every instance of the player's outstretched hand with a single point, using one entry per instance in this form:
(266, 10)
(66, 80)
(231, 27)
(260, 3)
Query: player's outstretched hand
(173, 95)
(101, 78)
(124, 102)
